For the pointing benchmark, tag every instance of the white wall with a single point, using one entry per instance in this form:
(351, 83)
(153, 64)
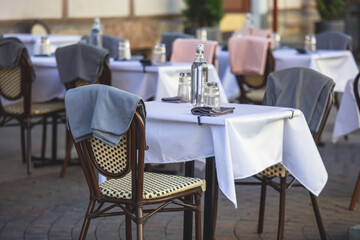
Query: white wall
(100, 8)
(157, 7)
(30, 9)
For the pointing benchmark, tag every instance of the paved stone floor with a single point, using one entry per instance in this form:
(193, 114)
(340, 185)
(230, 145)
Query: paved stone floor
(45, 206)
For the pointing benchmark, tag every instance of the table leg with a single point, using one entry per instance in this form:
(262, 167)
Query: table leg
(54, 139)
(188, 215)
(211, 199)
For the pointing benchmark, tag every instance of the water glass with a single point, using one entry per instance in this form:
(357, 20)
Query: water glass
(124, 50)
(159, 54)
(184, 88)
(275, 40)
(212, 95)
(310, 43)
(45, 46)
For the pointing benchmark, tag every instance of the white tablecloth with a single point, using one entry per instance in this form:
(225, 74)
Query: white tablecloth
(126, 75)
(32, 41)
(243, 143)
(348, 116)
(338, 65)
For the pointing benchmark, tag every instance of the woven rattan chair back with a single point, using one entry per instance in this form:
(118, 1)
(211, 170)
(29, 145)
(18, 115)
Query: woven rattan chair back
(15, 83)
(105, 78)
(113, 162)
(10, 83)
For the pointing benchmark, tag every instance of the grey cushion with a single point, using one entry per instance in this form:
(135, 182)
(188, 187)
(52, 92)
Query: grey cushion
(80, 61)
(333, 40)
(301, 88)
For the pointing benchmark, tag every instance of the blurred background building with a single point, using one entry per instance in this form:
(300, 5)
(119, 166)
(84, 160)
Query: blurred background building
(142, 22)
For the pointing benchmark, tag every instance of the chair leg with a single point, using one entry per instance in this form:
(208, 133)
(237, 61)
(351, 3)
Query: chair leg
(67, 158)
(87, 220)
(140, 224)
(355, 194)
(262, 206)
(128, 226)
(318, 216)
(198, 216)
(282, 208)
(28, 147)
(22, 133)
(43, 145)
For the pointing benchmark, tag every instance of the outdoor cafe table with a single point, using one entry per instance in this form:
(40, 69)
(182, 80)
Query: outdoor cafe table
(348, 116)
(339, 65)
(148, 82)
(240, 144)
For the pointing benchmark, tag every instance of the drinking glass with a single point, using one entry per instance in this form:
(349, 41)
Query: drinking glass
(159, 54)
(310, 43)
(124, 50)
(275, 39)
(212, 95)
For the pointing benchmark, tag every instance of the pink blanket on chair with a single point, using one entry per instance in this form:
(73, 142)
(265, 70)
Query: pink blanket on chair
(184, 50)
(248, 54)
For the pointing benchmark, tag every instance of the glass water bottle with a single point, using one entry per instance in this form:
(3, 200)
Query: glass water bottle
(96, 34)
(199, 76)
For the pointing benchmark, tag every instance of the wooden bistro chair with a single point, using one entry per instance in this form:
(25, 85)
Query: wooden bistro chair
(295, 87)
(104, 78)
(128, 190)
(15, 85)
(251, 61)
(333, 40)
(357, 186)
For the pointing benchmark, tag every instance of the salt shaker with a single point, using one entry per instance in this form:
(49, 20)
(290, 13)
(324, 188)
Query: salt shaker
(45, 46)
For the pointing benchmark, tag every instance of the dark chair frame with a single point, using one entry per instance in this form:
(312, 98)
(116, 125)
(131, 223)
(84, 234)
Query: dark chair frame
(243, 81)
(285, 183)
(357, 186)
(26, 120)
(134, 208)
(105, 78)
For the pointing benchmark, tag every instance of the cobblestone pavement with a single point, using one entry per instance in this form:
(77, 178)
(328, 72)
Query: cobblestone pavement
(45, 206)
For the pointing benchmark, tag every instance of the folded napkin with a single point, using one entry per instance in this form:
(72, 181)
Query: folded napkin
(176, 99)
(211, 112)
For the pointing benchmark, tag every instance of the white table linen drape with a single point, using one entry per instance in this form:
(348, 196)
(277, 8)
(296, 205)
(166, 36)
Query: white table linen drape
(243, 143)
(348, 117)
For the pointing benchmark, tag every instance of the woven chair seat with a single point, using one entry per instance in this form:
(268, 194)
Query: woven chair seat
(276, 170)
(254, 81)
(155, 186)
(256, 95)
(36, 108)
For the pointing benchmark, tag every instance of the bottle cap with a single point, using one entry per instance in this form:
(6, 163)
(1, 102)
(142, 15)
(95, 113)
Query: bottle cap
(199, 48)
